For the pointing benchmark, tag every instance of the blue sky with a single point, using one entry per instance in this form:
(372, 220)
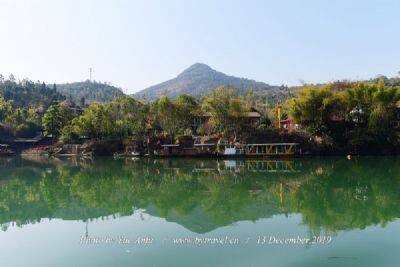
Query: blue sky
(135, 44)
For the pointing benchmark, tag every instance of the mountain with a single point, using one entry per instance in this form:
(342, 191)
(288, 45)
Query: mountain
(199, 78)
(90, 91)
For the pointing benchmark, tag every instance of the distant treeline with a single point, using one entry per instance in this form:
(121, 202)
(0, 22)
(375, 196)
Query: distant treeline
(347, 117)
(28, 94)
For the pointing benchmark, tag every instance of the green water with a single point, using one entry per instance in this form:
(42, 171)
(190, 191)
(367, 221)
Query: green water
(107, 212)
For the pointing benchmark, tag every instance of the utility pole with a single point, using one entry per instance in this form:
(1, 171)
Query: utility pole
(90, 74)
(279, 107)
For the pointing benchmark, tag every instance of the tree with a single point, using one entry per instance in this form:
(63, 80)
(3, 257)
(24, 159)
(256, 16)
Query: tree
(43, 88)
(82, 102)
(168, 116)
(359, 103)
(236, 115)
(11, 78)
(92, 123)
(358, 117)
(128, 116)
(23, 122)
(53, 120)
(5, 109)
(384, 110)
(135, 116)
(226, 110)
(373, 106)
(188, 109)
(121, 118)
(250, 99)
(315, 108)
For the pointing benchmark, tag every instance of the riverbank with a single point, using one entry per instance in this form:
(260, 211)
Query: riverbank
(191, 147)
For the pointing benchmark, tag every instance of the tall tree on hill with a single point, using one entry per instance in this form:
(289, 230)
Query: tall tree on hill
(82, 102)
(11, 78)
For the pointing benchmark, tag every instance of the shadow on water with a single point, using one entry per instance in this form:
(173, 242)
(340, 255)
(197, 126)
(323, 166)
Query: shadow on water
(331, 194)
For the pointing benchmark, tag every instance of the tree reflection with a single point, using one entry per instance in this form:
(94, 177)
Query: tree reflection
(202, 195)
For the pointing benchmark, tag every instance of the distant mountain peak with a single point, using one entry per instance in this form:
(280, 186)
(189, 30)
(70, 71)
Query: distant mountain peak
(196, 68)
(197, 80)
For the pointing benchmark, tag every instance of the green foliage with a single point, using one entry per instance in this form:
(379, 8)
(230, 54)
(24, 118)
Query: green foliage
(118, 119)
(69, 134)
(53, 120)
(127, 116)
(315, 107)
(344, 115)
(226, 110)
(20, 122)
(92, 123)
(361, 115)
(264, 121)
(169, 116)
(24, 122)
(5, 108)
(56, 118)
(188, 108)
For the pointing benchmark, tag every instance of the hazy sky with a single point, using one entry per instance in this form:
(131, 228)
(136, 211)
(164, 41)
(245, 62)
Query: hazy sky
(135, 44)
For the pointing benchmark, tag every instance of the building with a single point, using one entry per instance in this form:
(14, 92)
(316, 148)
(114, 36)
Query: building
(251, 119)
(76, 110)
(288, 124)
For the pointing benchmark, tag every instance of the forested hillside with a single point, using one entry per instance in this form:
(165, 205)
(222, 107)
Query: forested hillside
(90, 91)
(26, 94)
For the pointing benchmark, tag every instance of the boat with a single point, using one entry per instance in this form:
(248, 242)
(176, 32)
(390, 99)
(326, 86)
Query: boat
(5, 150)
(135, 154)
(37, 151)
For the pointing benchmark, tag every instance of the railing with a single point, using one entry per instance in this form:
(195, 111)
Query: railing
(271, 149)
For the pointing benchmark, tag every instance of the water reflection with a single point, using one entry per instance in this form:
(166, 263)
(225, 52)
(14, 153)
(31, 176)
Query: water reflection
(202, 195)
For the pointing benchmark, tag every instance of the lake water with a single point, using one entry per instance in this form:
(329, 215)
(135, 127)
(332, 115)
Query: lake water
(178, 212)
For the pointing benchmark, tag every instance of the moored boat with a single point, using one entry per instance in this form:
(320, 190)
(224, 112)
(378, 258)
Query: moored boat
(38, 150)
(5, 150)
